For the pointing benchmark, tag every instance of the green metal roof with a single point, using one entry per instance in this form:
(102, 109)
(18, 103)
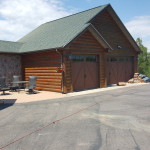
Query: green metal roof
(58, 33)
(54, 34)
(10, 47)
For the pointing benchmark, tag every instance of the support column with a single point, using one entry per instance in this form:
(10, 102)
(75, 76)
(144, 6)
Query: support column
(67, 76)
(102, 64)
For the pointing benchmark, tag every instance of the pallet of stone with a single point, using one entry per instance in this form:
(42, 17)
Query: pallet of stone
(136, 79)
(121, 83)
(131, 81)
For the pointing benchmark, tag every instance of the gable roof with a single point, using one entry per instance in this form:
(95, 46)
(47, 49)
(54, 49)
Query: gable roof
(10, 47)
(123, 28)
(59, 33)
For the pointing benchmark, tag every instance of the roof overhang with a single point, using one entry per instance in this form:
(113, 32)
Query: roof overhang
(10, 47)
(96, 35)
(99, 37)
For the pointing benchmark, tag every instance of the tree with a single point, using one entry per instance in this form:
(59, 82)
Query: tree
(143, 59)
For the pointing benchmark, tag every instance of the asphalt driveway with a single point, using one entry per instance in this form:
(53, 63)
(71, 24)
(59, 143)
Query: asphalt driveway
(111, 120)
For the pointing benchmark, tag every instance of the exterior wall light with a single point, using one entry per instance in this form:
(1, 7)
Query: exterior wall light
(119, 47)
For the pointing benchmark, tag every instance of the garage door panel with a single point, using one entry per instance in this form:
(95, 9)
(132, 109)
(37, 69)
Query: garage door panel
(78, 75)
(119, 69)
(84, 72)
(129, 70)
(112, 75)
(91, 75)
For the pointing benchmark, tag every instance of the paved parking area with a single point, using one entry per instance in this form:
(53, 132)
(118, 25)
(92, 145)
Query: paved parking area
(24, 97)
(117, 119)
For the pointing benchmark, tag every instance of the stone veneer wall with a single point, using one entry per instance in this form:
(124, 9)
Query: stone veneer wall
(10, 64)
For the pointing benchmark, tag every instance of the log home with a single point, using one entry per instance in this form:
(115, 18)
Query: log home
(87, 50)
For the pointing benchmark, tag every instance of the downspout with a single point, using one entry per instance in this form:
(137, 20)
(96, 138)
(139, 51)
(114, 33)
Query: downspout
(62, 81)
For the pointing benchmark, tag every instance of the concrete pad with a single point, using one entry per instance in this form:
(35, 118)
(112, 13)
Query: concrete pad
(24, 97)
(105, 89)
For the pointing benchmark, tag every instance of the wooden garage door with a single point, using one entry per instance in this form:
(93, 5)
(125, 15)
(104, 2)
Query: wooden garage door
(84, 72)
(119, 69)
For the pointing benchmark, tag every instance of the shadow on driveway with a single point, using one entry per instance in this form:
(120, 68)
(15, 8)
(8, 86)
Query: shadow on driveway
(5, 103)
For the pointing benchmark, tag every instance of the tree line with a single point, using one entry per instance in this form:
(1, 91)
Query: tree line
(143, 59)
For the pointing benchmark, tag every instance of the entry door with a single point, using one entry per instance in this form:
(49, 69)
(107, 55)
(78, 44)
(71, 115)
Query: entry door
(85, 72)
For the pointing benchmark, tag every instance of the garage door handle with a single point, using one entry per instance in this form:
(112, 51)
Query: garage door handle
(85, 76)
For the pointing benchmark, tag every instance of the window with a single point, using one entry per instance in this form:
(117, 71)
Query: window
(130, 59)
(119, 59)
(91, 58)
(77, 58)
(84, 58)
(108, 59)
(113, 59)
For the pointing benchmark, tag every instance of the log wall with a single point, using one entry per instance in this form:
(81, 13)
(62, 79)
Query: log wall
(44, 66)
(109, 29)
(112, 33)
(85, 44)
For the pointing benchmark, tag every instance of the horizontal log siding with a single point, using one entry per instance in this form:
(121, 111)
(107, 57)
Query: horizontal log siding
(43, 65)
(85, 44)
(109, 29)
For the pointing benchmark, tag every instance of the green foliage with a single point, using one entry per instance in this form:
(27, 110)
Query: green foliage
(143, 59)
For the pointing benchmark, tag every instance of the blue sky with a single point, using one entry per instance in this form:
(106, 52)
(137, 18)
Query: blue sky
(29, 14)
(126, 9)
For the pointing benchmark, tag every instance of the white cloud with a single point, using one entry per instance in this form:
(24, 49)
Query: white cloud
(140, 27)
(18, 17)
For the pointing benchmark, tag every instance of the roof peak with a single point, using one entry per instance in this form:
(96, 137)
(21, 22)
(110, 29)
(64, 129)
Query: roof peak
(77, 13)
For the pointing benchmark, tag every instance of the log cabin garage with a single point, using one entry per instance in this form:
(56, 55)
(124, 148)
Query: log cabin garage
(87, 50)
